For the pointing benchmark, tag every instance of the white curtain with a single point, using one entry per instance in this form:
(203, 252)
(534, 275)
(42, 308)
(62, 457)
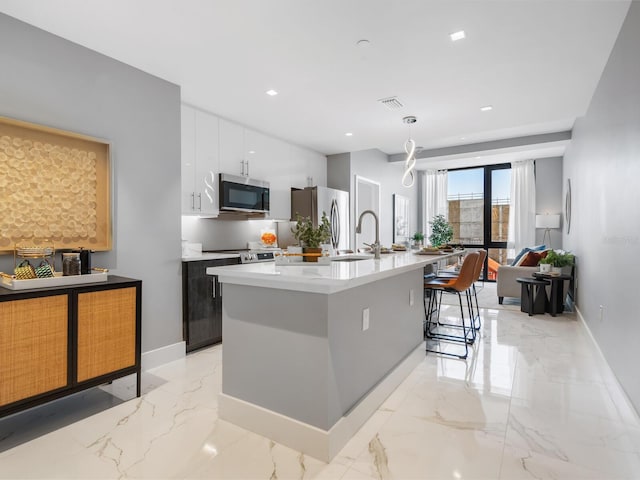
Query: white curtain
(435, 201)
(522, 208)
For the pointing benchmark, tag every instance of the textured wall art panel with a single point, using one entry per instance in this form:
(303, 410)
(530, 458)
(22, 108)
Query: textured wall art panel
(54, 186)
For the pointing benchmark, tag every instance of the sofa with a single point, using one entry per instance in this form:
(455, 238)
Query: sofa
(506, 284)
(527, 263)
(524, 264)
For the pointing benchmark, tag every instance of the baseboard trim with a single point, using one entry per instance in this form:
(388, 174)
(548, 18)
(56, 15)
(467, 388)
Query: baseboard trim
(604, 359)
(308, 439)
(162, 355)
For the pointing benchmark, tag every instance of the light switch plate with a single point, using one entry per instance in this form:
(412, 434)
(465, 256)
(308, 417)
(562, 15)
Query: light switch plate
(365, 319)
(411, 298)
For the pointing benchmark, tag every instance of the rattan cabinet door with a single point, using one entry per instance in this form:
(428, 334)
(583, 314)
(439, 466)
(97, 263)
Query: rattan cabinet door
(33, 347)
(106, 332)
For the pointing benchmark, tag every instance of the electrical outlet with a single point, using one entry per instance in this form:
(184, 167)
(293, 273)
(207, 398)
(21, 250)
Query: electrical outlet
(365, 319)
(601, 313)
(411, 298)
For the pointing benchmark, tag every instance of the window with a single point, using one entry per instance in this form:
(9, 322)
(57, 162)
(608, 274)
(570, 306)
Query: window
(479, 211)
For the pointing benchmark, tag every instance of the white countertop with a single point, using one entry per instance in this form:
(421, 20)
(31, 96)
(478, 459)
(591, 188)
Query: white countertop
(210, 256)
(329, 278)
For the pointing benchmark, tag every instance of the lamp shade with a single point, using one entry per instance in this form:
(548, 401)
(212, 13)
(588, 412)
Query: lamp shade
(548, 221)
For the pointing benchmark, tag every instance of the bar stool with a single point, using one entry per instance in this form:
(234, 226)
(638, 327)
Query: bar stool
(458, 285)
(477, 320)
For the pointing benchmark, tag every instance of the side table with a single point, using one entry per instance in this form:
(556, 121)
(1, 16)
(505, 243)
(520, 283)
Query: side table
(556, 302)
(533, 298)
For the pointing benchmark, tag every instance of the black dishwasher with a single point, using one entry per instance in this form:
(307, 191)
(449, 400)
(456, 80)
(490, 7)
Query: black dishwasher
(202, 303)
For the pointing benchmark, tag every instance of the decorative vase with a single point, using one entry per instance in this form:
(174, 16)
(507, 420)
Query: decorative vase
(317, 250)
(545, 267)
(556, 270)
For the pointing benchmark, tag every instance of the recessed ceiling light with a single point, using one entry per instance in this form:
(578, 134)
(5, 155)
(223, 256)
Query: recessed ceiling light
(349, 134)
(463, 138)
(252, 152)
(364, 43)
(271, 92)
(486, 108)
(455, 36)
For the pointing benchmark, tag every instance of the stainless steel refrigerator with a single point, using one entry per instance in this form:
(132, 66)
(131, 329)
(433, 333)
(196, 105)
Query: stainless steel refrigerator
(313, 201)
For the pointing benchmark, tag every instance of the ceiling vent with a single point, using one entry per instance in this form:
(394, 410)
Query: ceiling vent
(392, 103)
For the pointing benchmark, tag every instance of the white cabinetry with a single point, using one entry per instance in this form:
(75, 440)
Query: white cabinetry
(308, 168)
(316, 167)
(207, 164)
(212, 145)
(188, 158)
(199, 162)
(259, 154)
(232, 152)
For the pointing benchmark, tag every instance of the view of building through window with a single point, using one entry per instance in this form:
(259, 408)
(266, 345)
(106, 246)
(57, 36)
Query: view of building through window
(467, 214)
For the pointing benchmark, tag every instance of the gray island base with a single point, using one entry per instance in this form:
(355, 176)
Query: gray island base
(302, 367)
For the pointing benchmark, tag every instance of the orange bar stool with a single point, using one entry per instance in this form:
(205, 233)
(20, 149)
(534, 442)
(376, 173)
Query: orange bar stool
(477, 320)
(457, 285)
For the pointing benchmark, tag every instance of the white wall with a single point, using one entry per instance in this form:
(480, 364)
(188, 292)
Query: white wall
(603, 163)
(50, 81)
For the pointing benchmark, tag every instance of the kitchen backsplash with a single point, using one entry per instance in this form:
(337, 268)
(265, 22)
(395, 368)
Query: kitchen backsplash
(233, 234)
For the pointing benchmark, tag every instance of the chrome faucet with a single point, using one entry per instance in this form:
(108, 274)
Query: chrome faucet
(376, 246)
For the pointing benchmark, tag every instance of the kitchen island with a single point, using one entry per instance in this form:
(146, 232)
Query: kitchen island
(310, 351)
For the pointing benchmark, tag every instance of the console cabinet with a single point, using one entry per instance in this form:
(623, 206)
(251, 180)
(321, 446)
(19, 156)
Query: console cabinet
(58, 341)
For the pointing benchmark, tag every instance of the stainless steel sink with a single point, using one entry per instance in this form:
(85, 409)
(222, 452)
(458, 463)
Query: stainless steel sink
(351, 258)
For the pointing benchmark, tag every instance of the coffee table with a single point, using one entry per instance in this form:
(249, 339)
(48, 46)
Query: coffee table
(556, 302)
(533, 298)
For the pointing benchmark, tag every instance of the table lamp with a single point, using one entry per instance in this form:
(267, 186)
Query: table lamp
(547, 222)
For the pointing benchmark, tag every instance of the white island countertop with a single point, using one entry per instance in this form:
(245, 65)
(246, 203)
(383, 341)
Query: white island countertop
(324, 278)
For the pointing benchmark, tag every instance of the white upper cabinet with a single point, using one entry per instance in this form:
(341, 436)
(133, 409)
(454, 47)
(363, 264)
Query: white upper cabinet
(316, 165)
(232, 151)
(199, 162)
(207, 164)
(188, 158)
(259, 154)
(212, 145)
(308, 168)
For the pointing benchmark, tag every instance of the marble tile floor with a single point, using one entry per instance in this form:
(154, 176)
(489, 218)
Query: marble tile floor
(533, 401)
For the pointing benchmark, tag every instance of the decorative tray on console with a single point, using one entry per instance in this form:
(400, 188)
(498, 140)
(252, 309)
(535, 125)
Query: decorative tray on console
(8, 281)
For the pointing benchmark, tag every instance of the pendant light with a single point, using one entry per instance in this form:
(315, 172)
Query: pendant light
(408, 177)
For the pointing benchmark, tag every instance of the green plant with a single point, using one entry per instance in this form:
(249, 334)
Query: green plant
(308, 235)
(558, 258)
(418, 237)
(441, 231)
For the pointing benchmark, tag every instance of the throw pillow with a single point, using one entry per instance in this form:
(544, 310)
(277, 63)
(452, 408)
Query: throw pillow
(531, 259)
(524, 251)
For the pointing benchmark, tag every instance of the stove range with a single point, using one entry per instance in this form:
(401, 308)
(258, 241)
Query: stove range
(253, 255)
(256, 256)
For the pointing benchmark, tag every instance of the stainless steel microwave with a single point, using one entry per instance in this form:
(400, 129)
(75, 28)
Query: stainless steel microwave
(242, 194)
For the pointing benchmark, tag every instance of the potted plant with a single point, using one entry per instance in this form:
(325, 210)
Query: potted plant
(310, 237)
(545, 264)
(559, 260)
(441, 231)
(418, 238)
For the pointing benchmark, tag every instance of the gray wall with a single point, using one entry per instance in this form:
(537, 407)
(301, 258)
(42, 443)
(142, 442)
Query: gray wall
(603, 165)
(549, 195)
(50, 81)
(373, 165)
(339, 171)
